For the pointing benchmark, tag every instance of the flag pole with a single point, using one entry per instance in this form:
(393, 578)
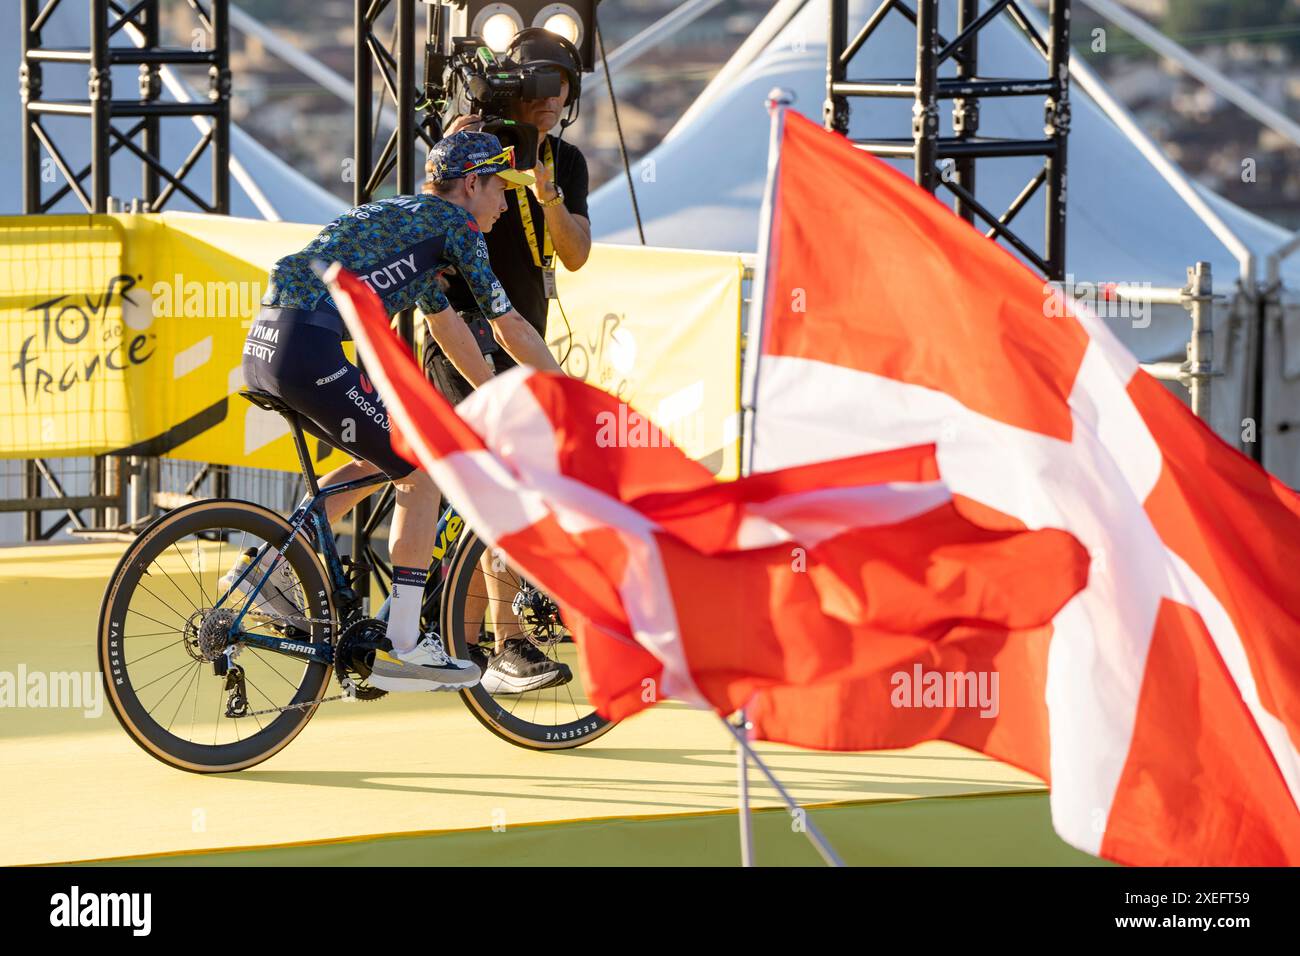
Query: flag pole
(778, 101)
(814, 835)
(742, 769)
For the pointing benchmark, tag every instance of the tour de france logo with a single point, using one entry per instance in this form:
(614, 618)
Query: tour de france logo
(74, 340)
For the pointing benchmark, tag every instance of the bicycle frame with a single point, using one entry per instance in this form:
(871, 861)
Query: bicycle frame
(312, 509)
(449, 525)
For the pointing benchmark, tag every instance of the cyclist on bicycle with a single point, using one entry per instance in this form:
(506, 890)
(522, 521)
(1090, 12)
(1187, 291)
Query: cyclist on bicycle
(294, 350)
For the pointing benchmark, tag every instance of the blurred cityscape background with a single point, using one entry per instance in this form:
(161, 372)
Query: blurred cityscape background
(1254, 42)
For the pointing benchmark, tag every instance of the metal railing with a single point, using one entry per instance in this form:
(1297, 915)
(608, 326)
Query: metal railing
(134, 490)
(1197, 297)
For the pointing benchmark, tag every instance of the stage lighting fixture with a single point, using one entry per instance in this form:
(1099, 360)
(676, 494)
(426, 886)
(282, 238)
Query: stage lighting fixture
(497, 22)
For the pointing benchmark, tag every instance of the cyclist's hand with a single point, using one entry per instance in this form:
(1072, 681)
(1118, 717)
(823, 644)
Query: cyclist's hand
(467, 121)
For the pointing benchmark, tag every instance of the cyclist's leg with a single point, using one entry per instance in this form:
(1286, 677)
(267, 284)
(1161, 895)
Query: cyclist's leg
(341, 403)
(336, 506)
(305, 365)
(415, 520)
(295, 362)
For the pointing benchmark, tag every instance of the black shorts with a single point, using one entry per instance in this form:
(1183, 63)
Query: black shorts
(305, 366)
(446, 379)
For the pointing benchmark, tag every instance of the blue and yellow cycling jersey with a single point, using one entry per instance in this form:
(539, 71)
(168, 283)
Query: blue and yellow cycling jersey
(397, 246)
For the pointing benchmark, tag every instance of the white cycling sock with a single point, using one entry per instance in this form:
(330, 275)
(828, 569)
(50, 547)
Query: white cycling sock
(404, 611)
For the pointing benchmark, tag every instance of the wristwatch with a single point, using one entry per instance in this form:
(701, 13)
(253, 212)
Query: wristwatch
(559, 197)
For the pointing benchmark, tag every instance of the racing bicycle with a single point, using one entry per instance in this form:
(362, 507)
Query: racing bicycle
(204, 676)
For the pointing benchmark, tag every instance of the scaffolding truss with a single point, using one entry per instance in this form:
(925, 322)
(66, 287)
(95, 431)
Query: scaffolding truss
(392, 61)
(142, 138)
(950, 161)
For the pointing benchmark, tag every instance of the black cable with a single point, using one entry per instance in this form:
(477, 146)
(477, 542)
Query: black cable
(622, 146)
(568, 329)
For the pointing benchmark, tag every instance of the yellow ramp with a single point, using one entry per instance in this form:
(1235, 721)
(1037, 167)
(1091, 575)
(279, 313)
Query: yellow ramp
(76, 788)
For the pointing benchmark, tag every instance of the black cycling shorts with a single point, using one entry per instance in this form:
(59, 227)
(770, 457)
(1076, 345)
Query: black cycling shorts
(304, 365)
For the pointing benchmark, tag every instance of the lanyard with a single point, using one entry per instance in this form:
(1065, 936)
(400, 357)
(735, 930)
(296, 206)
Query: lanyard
(542, 261)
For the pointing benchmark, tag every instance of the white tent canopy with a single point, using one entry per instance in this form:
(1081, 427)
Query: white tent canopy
(262, 186)
(701, 188)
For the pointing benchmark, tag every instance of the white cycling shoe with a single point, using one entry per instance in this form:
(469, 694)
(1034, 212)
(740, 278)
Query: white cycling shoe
(279, 601)
(425, 667)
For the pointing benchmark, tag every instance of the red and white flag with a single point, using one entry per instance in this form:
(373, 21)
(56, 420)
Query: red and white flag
(677, 585)
(1163, 701)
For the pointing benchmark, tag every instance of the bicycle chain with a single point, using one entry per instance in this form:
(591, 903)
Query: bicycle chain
(303, 706)
(309, 703)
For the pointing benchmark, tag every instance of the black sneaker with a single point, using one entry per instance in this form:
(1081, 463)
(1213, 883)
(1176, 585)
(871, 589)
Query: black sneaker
(480, 657)
(521, 667)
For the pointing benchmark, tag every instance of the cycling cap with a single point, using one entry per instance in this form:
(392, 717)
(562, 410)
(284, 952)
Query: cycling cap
(458, 155)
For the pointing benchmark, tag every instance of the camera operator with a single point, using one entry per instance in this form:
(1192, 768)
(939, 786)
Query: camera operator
(550, 222)
(542, 222)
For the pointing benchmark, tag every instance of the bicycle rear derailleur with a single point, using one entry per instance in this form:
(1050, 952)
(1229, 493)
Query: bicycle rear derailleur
(236, 692)
(210, 642)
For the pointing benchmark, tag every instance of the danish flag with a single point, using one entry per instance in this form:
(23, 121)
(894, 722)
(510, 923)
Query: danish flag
(1162, 703)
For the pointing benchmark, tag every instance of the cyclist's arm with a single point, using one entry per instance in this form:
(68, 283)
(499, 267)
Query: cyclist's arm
(468, 250)
(523, 343)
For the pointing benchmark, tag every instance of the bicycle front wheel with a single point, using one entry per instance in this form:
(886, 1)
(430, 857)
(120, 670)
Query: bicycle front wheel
(482, 595)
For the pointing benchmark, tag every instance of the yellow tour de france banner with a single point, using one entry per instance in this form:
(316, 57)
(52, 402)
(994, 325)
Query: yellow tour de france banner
(124, 334)
(660, 329)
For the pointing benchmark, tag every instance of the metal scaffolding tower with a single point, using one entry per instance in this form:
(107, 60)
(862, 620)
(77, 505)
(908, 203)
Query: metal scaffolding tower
(119, 123)
(108, 18)
(965, 88)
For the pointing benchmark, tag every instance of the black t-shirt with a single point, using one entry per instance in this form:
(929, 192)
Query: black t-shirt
(508, 250)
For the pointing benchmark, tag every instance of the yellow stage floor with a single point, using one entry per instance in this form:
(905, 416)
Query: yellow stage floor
(75, 788)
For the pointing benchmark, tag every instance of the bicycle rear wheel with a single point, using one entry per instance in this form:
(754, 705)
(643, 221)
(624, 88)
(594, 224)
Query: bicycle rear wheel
(557, 717)
(162, 637)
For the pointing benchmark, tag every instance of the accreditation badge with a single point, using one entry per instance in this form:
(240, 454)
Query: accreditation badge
(548, 283)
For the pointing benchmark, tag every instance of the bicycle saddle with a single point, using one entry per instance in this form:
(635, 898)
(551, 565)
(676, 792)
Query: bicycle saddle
(267, 401)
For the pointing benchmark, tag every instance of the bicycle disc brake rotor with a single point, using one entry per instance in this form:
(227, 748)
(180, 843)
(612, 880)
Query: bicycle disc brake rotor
(355, 656)
(538, 615)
